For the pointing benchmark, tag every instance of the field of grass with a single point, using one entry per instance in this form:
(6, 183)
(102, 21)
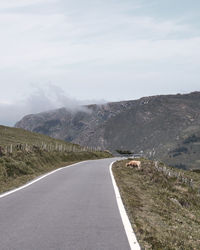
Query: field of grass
(38, 154)
(163, 204)
(16, 136)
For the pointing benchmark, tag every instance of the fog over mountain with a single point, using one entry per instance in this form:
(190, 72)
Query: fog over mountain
(164, 126)
(92, 49)
(41, 100)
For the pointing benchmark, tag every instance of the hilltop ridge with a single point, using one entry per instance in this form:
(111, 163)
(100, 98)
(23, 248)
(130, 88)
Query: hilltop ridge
(156, 125)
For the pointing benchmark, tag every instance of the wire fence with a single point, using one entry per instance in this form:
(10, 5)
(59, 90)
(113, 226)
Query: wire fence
(179, 176)
(49, 147)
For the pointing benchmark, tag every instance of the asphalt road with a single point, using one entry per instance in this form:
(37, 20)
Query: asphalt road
(72, 209)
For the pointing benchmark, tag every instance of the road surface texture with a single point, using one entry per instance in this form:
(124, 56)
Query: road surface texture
(72, 209)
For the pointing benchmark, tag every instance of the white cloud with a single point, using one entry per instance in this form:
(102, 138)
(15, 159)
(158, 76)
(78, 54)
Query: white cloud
(87, 46)
(42, 99)
(54, 39)
(7, 4)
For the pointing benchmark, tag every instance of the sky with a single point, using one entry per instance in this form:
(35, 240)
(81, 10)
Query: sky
(56, 53)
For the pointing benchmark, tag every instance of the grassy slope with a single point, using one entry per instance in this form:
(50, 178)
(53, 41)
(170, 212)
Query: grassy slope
(22, 166)
(164, 212)
(16, 135)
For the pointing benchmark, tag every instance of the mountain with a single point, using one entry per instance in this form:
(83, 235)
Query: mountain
(165, 127)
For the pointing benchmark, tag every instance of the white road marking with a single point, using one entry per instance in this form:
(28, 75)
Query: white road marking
(36, 180)
(134, 245)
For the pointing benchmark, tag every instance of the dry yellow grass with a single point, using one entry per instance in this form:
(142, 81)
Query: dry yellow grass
(164, 211)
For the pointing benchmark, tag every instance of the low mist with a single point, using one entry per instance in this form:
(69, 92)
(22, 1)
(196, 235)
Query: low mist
(41, 100)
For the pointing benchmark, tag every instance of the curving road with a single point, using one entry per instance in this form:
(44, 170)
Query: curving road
(72, 209)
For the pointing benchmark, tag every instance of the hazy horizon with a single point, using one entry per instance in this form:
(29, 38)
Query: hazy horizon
(58, 53)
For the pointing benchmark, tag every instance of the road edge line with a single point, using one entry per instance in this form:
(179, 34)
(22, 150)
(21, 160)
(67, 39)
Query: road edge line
(36, 180)
(134, 245)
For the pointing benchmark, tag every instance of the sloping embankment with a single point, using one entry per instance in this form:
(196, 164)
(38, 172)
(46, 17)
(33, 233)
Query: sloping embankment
(22, 167)
(163, 204)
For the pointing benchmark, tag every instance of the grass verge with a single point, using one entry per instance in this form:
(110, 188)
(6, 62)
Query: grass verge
(164, 211)
(21, 167)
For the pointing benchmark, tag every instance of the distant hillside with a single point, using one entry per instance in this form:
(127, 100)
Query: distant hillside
(25, 155)
(16, 136)
(160, 126)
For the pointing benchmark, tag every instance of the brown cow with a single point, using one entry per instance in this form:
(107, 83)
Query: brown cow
(134, 164)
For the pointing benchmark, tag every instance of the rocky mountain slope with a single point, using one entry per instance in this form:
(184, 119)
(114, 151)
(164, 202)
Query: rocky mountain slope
(160, 126)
